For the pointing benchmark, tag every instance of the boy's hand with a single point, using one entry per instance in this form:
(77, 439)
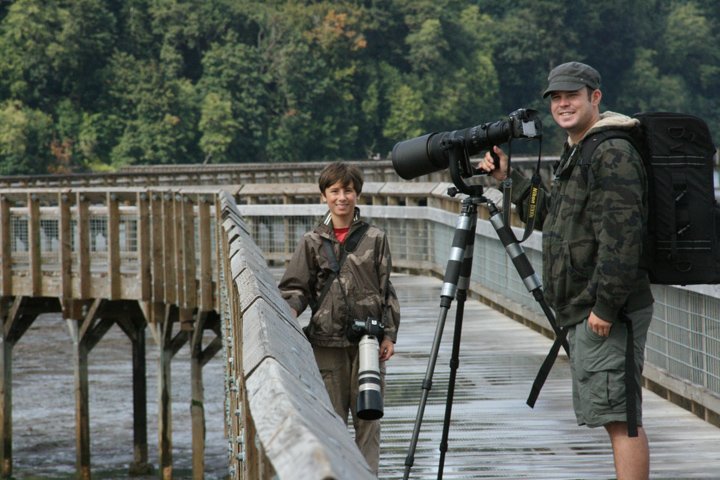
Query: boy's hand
(387, 349)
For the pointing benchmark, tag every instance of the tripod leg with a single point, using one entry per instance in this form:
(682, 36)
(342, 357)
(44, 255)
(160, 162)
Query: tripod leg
(532, 283)
(461, 296)
(465, 224)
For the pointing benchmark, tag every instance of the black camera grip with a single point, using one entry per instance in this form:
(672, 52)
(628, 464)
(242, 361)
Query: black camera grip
(495, 157)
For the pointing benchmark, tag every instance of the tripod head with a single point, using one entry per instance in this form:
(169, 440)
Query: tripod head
(458, 160)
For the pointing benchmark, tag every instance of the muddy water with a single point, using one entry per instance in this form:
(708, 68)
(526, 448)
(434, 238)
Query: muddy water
(44, 406)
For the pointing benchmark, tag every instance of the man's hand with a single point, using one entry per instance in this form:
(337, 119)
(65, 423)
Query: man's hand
(487, 164)
(387, 349)
(599, 326)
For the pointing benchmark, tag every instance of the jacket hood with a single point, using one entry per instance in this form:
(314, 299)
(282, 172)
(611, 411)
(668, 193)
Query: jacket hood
(611, 120)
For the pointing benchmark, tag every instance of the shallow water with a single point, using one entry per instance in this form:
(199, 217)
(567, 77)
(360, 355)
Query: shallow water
(44, 406)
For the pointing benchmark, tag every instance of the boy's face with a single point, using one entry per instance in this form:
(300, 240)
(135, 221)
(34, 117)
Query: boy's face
(341, 200)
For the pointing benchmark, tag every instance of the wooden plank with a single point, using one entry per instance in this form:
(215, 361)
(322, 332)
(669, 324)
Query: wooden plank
(34, 244)
(5, 247)
(6, 349)
(267, 334)
(179, 258)
(65, 239)
(83, 247)
(165, 394)
(144, 247)
(113, 225)
(168, 256)
(205, 241)
(189, 267)
(157, 223)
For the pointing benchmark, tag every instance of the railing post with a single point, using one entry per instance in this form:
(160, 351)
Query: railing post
(113, 222)
(205, 240)
(144, 251)
(83, 247)
(5, 247)
(6, 349)
(179, 257)
(65, 240)
(34, 244)
(168, 257)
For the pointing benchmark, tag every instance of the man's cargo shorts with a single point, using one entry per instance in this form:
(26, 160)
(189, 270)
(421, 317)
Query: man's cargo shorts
(598, 369)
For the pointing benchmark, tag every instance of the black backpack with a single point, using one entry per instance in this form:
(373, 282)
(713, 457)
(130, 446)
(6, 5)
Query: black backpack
(682, 246)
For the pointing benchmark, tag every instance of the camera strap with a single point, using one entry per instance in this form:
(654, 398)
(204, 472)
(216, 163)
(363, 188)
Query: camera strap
(350, 245)
(533, 199)
(533, 196)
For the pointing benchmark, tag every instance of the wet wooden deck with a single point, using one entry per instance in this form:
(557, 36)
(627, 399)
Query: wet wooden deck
(493, 433)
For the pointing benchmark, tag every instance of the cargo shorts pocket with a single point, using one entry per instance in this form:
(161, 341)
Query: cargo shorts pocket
(600, 367)
(606, 389)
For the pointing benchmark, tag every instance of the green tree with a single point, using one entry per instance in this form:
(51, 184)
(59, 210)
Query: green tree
(219, 127)
(646, 88)
(25, 137)
(235, 78)
(27, 36)
(160, 116)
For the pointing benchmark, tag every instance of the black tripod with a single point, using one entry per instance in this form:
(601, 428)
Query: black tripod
(456, 283)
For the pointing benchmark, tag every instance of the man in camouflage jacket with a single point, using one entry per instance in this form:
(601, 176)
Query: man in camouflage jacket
(361, 290)
(593, 227)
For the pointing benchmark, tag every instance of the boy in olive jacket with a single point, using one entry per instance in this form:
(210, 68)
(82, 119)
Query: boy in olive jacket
(361, 290)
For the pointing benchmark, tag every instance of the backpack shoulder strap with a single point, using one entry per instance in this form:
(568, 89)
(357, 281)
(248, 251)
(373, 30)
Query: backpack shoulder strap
(589, 144)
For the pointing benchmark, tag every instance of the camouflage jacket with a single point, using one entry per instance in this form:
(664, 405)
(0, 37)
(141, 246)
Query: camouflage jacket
(593, 231)
(365, 276)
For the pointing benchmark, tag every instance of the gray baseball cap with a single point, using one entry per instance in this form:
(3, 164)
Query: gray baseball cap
(572, 76)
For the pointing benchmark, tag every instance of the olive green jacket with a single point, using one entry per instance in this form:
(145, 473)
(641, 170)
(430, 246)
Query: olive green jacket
(362, 289)
(593, 230)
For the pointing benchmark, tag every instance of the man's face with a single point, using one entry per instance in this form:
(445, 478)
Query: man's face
(341, 200)
(575, 111)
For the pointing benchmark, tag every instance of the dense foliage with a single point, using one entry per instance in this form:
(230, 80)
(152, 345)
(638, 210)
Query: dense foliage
(99, 84)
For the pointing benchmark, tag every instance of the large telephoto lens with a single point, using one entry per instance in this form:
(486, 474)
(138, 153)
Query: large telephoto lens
(429, 153)
(419, 156)
(369, 400)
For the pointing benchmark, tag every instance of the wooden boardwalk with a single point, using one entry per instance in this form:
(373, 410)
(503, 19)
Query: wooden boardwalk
(493, 433)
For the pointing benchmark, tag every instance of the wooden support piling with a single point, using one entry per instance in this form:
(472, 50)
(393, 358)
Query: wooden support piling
(156, 271)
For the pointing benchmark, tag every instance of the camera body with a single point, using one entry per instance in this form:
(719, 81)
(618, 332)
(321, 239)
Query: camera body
(370, 326)
(429, 153)
(369, 334)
